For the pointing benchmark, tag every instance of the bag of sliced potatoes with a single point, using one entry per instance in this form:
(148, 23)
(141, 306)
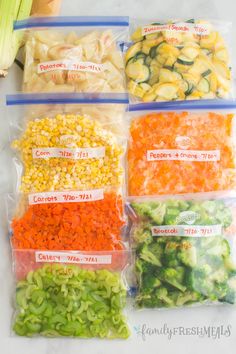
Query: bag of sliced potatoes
(177, 60)
(74, 54)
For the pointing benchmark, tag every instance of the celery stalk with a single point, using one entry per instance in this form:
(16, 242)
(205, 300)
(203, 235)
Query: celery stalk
(10, 41)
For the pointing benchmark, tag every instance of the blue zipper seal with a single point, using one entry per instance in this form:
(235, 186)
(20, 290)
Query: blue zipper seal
(184, 105)
(73, 21)
(61, 98)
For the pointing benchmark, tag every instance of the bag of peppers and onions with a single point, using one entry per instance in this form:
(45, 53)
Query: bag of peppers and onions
(72, 236)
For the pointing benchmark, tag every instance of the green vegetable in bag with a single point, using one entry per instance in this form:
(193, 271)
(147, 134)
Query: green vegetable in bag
(65, 300)
(178, 270)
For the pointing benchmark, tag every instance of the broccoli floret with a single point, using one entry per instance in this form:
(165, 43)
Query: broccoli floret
(144, 267)
(183, 205)
(197, 280)
(230, 297)
(170, 254)
(162, 295)
(171, 216)
(220, 290)
(157, 214)
(202, 271)
(205, 244)
(219, 276)
(210, 206)
(188, 256)
(214, 261)
(173, 277)
(188, 297)
(142, 233)
(223, 215)
(141, 209)
(204, 286)
(149, 282)
(230, 266)
(152, 253)
(219, 248)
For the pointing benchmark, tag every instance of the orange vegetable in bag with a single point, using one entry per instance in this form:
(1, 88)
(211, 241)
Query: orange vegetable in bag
(184, 152)
(84, 226)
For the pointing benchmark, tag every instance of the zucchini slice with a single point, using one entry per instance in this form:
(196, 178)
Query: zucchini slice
(167, 50)
(213, 82)
(206, 73)
(135, 89)
(148, 60)
(145, 86)
(153, 50)
(133, 50)
(137, 35)
(171, 60)
(204, 85)
(182, 59)
(150, 96)
(222, 54)
(155, 70)
(178, 75)
(206, 51)
(190, 52)
(201, 65)
(140, 55)
(167, 76)
(167, 91)
(184, 85)
(152, 36)
(137, 71)
(221, 68)
(161, 59)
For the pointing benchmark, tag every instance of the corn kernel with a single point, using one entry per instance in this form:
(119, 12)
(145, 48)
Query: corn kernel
(54, 173)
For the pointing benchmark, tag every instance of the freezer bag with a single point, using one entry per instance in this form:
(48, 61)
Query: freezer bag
(72, 220)
(185, 249)
(67, 142)
(179, 60)
(181, 148)
(70, 294)
(74, 54)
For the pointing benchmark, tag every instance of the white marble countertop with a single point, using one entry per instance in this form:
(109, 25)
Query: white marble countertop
(155, 325)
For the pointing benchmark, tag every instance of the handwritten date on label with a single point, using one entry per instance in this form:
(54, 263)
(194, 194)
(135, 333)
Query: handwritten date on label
(66, 197)
(72, 257)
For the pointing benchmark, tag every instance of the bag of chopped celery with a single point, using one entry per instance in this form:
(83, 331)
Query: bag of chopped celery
(81, 54)
(179, 60)
(68, 142)
(70, 294)
(72, 220)
(185, 249)
(181, 147)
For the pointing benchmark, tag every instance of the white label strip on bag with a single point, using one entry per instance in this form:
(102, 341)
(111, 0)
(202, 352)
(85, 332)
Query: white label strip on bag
(72, 257)
(187, 230)
(66, 197)
(71, 65)
(183, 155)
(200, 29)
(75, 154)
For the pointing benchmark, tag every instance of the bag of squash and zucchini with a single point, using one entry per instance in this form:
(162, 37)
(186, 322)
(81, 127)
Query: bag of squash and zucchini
(179, 61)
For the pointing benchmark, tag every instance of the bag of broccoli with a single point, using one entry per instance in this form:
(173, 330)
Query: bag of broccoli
(184, 250)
